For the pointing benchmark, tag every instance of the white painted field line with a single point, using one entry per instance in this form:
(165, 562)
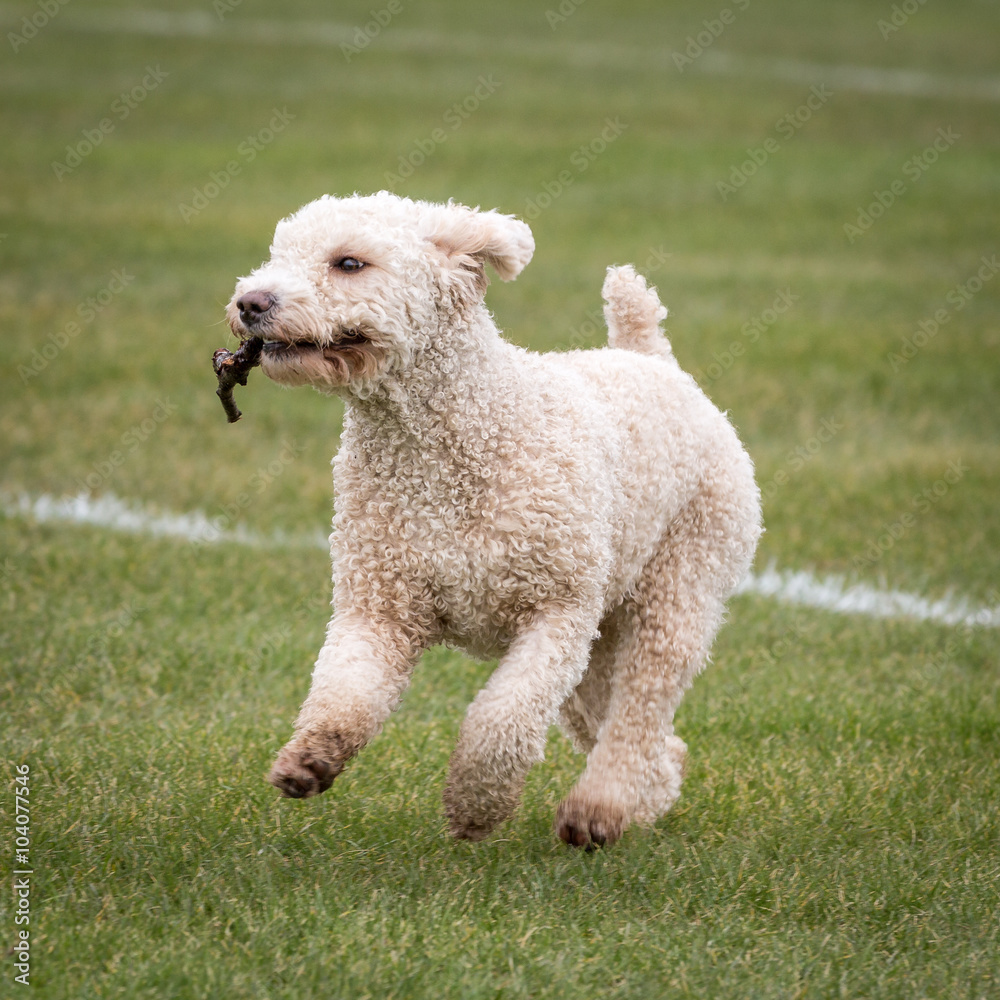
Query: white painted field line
(868, 79)
(132, 517)
(800, 587)
(834, 593)
(400, 38)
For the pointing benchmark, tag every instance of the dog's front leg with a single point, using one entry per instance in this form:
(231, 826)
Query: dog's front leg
(359, 678)
(506, 726)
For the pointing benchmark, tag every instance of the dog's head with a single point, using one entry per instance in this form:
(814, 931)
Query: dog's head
(355, 287)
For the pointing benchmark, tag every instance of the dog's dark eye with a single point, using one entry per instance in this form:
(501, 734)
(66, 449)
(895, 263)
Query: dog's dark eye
(349, 264)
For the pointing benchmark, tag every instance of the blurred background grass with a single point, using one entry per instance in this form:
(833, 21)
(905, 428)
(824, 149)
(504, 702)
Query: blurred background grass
(652, 193)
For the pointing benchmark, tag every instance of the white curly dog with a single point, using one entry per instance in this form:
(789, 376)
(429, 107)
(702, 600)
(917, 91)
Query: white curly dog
(581, 516)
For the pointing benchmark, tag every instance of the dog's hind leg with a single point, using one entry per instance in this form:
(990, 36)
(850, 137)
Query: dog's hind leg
(583, 711)
(635, 768)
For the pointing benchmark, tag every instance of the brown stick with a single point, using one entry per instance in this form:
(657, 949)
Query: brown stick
(232, 370)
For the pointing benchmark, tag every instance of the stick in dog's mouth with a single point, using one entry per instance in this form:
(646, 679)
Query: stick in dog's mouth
(232, 370)
(353, 355)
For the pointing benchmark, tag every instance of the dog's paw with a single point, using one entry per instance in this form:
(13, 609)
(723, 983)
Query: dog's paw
(479, 795)
(300, 773)
(475, 821)
(590, 824)
(473, 814)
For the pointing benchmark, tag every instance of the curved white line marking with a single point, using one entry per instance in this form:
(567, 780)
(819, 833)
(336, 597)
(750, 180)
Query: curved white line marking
(133, 517)
(800, 587)
(835, 593)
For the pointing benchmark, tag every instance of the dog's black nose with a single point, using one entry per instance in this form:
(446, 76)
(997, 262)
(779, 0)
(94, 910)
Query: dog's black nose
(253, 305)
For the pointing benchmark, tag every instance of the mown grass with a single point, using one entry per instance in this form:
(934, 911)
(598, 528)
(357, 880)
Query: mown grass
(838, 831)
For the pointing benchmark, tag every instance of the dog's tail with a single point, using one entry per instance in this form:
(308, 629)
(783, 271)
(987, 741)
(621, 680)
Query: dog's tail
(633, 313)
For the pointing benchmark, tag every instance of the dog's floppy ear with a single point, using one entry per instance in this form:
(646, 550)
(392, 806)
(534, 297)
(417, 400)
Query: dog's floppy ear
(471, 239)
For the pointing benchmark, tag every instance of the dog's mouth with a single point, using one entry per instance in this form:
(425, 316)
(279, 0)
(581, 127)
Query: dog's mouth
(279, 349)
(326, 366)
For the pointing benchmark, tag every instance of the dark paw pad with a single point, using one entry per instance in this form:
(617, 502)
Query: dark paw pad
(589, 828)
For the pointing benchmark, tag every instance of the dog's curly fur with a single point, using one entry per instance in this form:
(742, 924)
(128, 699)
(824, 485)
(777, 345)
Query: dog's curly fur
(582, 516)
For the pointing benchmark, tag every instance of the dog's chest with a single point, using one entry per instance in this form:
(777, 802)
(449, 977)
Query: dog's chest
(479, 553)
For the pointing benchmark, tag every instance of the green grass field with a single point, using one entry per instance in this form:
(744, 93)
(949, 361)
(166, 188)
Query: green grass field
(825, 238)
